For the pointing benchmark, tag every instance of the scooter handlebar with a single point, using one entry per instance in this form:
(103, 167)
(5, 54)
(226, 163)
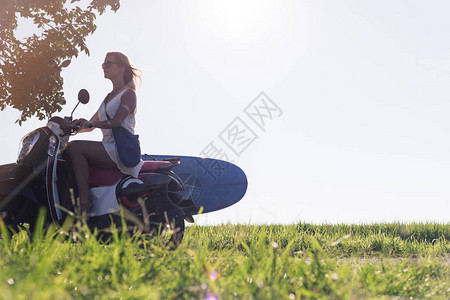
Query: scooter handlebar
(77, 127)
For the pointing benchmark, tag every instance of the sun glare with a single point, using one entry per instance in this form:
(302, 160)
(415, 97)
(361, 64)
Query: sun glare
(236, 20)
(235, 27)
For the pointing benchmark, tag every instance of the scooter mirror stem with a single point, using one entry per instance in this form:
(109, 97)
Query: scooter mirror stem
(74, 109)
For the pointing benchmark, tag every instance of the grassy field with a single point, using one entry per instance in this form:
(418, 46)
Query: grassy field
(300, 261)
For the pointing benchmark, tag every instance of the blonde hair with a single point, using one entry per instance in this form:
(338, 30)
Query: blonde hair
(132, 75)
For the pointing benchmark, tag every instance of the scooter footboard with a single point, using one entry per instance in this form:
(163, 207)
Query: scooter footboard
(104, 200)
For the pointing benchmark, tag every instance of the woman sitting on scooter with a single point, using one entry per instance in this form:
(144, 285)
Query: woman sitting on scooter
(121, 108)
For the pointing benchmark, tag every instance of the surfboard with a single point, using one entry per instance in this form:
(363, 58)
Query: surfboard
(209, 184)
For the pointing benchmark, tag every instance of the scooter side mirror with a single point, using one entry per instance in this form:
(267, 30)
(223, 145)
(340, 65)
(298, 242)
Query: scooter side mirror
(83, 96)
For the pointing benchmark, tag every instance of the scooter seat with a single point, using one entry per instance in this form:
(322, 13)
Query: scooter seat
(101, 177)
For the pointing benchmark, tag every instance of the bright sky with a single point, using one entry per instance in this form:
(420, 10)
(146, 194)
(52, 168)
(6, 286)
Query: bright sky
(362, 88)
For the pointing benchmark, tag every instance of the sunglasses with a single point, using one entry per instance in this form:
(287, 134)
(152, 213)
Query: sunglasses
(108, 64)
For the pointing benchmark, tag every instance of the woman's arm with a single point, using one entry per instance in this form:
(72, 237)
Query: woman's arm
(127, 105)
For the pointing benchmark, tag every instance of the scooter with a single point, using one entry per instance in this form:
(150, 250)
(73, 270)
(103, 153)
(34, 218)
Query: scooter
(41, 177)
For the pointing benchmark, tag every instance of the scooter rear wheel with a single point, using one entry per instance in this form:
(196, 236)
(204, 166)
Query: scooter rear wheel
(169, 234)
(175, 232)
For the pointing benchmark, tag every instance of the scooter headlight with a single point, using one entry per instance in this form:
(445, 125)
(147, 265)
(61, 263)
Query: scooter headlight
(27, 144)
(51, 145)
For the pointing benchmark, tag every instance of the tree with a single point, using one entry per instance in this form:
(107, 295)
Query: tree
(30, 69)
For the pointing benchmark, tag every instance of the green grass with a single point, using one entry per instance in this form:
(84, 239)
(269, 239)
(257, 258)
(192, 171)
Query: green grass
(301, 261)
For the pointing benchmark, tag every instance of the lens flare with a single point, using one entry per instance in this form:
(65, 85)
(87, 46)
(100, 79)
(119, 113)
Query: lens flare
(211, 296)
(213, 276)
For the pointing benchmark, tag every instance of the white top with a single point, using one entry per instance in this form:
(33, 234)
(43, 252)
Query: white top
(108, 138)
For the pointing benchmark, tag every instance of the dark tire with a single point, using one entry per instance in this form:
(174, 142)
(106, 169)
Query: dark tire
(20, 211)
(177, 234)
(170, 234)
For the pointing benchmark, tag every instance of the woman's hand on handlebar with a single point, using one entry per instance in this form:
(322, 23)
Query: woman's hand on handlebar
(87, 125)
(78, 122)
(80, 125)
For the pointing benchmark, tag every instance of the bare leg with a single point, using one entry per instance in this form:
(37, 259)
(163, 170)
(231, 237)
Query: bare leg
(82, 154)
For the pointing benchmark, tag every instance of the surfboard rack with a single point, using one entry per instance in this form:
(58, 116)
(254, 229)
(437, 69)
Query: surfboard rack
(174, 160)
